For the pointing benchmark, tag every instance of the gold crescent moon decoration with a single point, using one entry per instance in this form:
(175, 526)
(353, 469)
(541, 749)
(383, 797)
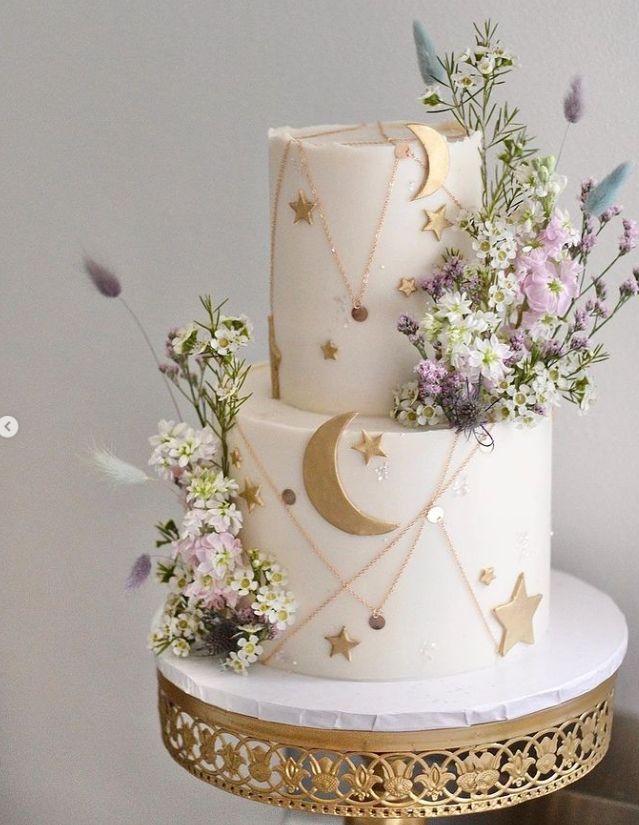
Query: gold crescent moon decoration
(436, 152)
(324, 485)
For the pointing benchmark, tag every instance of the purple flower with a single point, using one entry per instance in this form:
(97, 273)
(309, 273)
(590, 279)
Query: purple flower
(574, 101)
(586, 186)
(600, 309)
(628, 240)
(517, 340)
(102, 278)
(629, 288)
(449, 275)
(579, 342)
(601, 290)
(610, 213)
(587, 242)
(430, 375)
(407, 325)
(581, 318)
(139, 572)
(170, 370)
(551, 348)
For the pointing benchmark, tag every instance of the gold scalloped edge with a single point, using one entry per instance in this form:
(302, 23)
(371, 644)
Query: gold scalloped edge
(380, 775)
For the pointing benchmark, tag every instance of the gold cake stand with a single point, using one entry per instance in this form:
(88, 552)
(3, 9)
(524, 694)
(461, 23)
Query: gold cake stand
(366, 776)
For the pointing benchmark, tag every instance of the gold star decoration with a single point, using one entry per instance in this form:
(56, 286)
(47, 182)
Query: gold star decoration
(407, 286)
(487, 575)
(330, 351)
(436, 222)
(236, 458)
(341, 643)
(303, 208)
(251, 495)
(370, 446)
(516, 617)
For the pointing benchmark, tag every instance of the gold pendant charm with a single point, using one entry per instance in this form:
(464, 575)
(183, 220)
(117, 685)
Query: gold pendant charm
(377, 621)
(288, 496)
(359, 313)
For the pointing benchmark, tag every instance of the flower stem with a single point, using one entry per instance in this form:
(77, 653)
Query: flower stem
(561, 146)
(155, 358)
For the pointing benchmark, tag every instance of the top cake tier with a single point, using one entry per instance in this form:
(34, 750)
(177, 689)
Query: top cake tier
(359, 215)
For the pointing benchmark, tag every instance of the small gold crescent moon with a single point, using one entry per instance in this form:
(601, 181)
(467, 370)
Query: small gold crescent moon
(324, 485)
(436, 154)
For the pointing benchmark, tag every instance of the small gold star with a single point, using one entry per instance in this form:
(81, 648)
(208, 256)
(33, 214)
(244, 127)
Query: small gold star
(436, 222)
(251, 495)
(516, 617)
(370, 446)
(236, 458)
(341, 644)
(407, 286)
(487, 575)
(303, 208)
(330, 351)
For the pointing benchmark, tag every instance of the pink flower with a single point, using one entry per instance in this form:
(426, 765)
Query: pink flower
(548, 286)
(556, 235)
(217, 554)
(213, 597)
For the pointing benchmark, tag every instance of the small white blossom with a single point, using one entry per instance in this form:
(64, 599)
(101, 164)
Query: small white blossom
(180, 647)
(185, 341)
(276, 576)
(486, 65)
(453, 306)
(249, 649)
(488, 356)
(231, 334)
(236, 663)
(243, 581)
(464, 80)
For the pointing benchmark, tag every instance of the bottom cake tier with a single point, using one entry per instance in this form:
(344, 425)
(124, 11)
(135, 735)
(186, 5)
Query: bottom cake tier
(410, 553)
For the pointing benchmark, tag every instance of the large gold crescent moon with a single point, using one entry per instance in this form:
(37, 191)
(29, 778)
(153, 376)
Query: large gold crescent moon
(324, 485)
(436, 155)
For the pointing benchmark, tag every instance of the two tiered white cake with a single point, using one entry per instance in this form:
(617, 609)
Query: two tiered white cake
(412, 553)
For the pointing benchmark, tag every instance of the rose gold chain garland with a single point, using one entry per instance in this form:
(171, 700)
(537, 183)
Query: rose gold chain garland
(409, 153)
(464, 575)
(275, 356)
(299, 625)
(359, 312)
(278, 190)
(346, 584)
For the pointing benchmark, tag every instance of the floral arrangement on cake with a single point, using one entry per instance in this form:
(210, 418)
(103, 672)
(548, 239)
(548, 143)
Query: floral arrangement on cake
(512, 328)
(223, 599)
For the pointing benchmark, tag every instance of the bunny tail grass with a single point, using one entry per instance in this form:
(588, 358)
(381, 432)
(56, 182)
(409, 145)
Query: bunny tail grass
(116, 470)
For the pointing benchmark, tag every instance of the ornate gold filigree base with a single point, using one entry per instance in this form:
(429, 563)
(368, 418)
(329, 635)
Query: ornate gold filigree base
(364, 775)
(362, 820)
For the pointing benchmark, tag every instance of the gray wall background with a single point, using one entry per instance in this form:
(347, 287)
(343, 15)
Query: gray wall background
(135, 131)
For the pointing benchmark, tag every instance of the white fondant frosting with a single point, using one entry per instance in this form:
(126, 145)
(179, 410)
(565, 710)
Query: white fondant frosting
(311, 304)
(585, 645)
(433, 624)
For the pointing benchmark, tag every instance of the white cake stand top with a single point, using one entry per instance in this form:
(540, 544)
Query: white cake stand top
(585, 645)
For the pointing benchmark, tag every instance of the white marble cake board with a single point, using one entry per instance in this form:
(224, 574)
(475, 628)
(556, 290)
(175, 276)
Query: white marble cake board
(585, 644)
